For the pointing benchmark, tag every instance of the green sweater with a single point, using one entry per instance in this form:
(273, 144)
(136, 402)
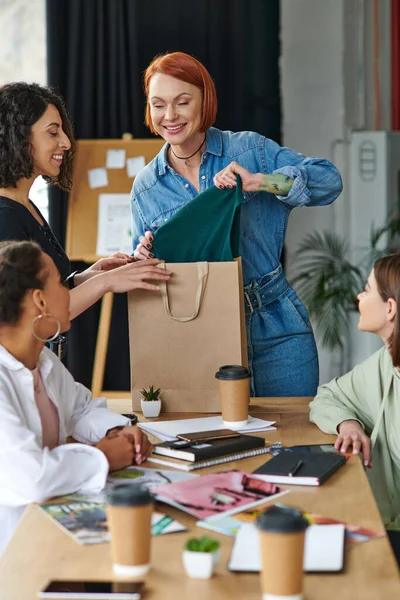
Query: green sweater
(370, 393)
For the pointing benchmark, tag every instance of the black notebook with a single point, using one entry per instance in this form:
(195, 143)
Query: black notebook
(300, 469)
(203, 450)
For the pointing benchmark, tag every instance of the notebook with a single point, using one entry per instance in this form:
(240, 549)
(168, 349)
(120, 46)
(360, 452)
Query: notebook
(168, 430)
(202, 464)
(227, 493)
(323, 549)
(206, 449)
(306, 469)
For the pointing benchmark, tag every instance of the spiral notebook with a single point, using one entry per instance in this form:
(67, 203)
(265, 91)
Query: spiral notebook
(201, 464)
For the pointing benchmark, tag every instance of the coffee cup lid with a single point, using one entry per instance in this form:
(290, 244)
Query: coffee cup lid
(129, 495)
(280, 519)
(231, 372)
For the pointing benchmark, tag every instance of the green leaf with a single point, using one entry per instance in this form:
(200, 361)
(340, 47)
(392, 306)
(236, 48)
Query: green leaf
(328, 283)
(203, 544)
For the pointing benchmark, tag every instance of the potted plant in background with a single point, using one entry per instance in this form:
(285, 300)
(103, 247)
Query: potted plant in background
(328, 282)
(200, 556)
(150, 402)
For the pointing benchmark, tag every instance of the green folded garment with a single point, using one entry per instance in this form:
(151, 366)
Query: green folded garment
(205, 229)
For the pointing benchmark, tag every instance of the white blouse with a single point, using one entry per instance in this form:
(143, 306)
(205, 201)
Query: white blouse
(29, 472)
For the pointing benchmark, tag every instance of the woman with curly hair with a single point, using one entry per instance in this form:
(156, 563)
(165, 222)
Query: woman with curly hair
(40, 403)
(36, 138)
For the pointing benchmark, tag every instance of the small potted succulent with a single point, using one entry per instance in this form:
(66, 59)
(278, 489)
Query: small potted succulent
(200, 556)
(150, 402)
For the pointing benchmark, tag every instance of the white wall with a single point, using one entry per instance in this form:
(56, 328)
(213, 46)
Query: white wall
(327, 88)
(23, 41)
(312, 89)
(23, 58)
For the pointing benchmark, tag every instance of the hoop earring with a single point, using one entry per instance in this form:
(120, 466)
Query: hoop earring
(42, 316)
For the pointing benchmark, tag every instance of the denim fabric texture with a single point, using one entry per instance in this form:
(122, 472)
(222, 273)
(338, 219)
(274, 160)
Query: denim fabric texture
(282, 350)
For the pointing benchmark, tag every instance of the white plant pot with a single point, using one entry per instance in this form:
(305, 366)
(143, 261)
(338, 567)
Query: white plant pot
(199, 565)
(150, 408)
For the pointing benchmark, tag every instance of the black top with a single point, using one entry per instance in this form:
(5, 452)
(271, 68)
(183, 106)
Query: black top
(17, 223)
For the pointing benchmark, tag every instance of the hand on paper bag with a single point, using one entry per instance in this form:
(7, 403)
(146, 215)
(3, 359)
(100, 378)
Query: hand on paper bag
(104, 264)
(136, 275)
(143, 249)
(351, 434)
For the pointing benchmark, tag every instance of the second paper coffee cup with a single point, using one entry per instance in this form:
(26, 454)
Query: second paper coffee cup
(234, 394)
(281, 531)
(129, 510)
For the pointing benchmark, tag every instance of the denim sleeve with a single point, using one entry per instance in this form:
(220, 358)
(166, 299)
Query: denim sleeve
(317, 181)
(139, 225)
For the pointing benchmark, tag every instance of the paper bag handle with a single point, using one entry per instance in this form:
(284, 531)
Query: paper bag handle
(202, 274)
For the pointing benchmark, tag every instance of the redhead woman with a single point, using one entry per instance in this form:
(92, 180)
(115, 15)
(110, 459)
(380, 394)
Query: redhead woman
(363, 406)
(41, 404)
(36, 138)
(182, 108)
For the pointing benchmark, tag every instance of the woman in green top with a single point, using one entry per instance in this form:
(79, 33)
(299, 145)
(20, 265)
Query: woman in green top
(363, 406)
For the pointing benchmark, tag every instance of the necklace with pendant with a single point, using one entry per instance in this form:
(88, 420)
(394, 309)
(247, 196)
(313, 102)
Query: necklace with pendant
(187, 158)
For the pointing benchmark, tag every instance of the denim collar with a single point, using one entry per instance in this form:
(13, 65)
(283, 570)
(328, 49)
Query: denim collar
(213, 146)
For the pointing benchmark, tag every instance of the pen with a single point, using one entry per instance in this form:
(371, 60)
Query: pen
(295, 468)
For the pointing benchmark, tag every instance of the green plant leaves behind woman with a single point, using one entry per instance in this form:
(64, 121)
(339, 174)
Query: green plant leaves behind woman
(328, 283)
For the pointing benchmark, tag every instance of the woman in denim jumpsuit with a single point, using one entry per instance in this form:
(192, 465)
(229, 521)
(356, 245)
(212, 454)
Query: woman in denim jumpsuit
(181, 107)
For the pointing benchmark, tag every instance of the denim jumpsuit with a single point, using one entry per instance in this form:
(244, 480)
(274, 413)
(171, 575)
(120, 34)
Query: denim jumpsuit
(281, 348)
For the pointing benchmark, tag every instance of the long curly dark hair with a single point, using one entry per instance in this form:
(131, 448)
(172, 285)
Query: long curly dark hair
(20, 270)
(21, 106)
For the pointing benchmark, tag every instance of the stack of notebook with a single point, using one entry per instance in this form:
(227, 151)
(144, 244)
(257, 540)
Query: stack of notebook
(189, 456)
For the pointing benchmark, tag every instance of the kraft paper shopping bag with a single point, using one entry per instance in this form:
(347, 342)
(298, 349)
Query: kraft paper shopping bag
(179, 338)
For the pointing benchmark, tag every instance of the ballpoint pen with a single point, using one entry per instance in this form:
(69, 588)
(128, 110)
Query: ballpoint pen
(295, 468)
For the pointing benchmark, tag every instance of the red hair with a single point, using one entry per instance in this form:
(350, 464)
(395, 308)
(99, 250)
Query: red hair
(185, 68)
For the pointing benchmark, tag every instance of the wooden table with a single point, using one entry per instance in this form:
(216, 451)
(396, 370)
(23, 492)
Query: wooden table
(40, 550)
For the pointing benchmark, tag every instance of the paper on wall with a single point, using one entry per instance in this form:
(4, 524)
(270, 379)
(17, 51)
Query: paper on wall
(97, 178)
(134, 165)
(114, 224)
(115, 159)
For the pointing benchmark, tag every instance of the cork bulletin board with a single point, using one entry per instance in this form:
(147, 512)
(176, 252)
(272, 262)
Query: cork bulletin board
(101, 167)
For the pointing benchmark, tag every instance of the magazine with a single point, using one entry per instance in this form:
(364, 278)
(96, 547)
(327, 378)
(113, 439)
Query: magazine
(132, 475)
(86, 521)
(230, 525)
(224, 493)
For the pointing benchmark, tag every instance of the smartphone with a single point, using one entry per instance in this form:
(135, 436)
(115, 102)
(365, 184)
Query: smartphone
(313, 448)
(199, 436)
(92, 590)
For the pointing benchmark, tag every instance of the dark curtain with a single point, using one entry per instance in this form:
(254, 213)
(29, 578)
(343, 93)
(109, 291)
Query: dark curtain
(97, 51)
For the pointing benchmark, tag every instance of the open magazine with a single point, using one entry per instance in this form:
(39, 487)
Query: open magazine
(86, 521)
(84, 516)
(230, 525)
(224, 493)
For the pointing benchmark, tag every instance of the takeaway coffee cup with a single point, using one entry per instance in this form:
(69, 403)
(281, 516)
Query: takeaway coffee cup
(234, 393)
(129, 510)
(281, 533)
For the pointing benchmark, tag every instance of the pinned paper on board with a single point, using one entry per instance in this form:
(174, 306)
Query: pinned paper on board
(97, 178)
(115, 159)
(134, 165)
(114, 225)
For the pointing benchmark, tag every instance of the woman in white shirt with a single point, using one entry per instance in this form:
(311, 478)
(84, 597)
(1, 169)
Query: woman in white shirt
(41, 404)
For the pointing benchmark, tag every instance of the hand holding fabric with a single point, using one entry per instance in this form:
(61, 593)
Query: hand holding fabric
(143, 249)
(277, 183)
